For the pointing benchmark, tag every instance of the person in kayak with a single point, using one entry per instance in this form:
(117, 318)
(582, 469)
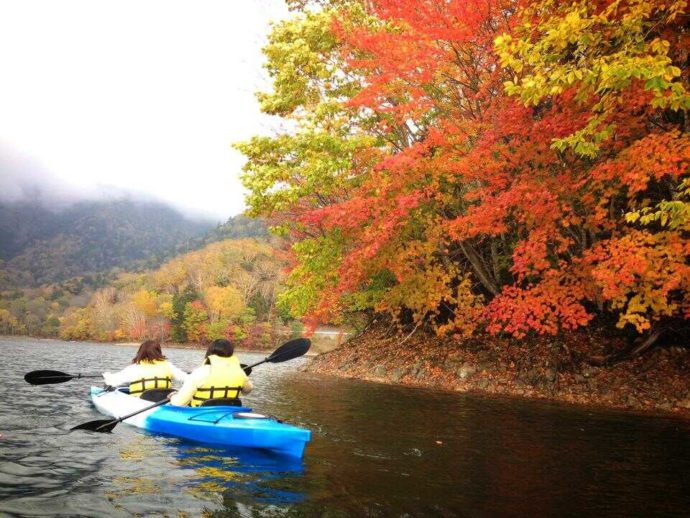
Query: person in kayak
(150, 370)
(220, 377)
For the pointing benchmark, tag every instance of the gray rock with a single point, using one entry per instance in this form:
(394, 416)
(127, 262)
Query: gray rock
(466, 371)
(588, 372)
(483, 383)
(550, 374)
(534, 376)
(665, 405)
(421, 374)
(484, 366)
(397, 374)
(380, 371)
(451, 364)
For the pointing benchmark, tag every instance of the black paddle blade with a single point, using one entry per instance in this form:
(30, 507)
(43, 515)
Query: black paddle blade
(100, 425)
(46, 377)
(289, 350)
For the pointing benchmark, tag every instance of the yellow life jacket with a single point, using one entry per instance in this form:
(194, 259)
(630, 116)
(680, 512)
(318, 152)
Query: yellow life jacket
(155, 375)
(225, 380)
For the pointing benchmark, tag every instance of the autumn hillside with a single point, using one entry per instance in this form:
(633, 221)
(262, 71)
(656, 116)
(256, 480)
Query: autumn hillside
(226, 289)
(123, 270)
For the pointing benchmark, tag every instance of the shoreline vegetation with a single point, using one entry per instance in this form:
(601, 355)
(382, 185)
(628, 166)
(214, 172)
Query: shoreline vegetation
(553, 369)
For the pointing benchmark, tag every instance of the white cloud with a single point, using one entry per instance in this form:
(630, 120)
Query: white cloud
(146, 95)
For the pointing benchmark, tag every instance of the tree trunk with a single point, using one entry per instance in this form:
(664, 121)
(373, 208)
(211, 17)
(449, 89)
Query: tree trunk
(479, 268)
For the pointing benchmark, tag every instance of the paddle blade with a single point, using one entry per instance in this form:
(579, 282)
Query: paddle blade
(100, 425)
(45, 377)
(289, 350)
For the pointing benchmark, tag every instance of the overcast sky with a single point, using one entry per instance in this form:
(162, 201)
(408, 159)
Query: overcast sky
(137, 95)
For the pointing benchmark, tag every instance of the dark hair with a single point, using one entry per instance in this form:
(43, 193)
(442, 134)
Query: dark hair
(220, 347)
(149, 351)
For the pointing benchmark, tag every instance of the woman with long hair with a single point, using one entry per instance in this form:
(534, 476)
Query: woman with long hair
(149, 370)
(221, 377)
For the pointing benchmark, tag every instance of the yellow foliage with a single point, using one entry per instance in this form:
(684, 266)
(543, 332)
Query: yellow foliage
(145, 301)
(223, 302)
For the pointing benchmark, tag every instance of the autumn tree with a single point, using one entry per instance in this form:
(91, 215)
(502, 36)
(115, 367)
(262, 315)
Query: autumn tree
(194, 321)
(481, 165)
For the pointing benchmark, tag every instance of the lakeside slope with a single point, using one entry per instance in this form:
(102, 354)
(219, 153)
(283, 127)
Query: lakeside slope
(546, 368)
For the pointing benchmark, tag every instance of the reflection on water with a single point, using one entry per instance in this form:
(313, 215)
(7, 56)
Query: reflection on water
(250, 475)
(376, 451)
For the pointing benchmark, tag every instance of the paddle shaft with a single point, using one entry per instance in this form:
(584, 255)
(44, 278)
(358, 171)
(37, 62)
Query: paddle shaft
(271, 358)
(289, 351)
(106, 426)
(71, 376)
(142, 410)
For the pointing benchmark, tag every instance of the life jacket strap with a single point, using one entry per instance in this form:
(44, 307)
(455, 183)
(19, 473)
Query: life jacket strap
(166, 382)
(216, 392)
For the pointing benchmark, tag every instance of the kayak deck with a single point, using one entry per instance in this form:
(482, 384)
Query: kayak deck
(217, 425)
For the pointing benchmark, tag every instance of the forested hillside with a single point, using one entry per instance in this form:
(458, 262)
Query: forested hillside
(60, 267)
(227, 289)
(39, 246)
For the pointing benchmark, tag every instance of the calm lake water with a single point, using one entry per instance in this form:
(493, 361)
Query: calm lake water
(376, 450)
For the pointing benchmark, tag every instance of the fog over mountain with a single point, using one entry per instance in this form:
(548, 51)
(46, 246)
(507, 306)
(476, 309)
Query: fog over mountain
(24, 180)
(39, 245)
(88, 114)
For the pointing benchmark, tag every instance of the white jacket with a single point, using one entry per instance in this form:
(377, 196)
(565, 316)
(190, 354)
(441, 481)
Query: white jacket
(134, 373)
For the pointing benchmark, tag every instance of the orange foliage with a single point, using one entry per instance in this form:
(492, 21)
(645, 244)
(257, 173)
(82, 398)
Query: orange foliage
(485, 210)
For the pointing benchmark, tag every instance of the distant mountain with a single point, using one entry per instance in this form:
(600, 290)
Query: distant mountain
(39, 246)
(236, 227)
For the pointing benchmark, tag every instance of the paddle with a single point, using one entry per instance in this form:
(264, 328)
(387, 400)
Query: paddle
(106, 425)
(287, 351)
(46, 377)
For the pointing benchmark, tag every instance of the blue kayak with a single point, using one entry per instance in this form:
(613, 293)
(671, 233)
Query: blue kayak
(218, 425)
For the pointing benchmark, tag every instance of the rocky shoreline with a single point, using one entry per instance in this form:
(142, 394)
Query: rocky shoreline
(546, 368)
